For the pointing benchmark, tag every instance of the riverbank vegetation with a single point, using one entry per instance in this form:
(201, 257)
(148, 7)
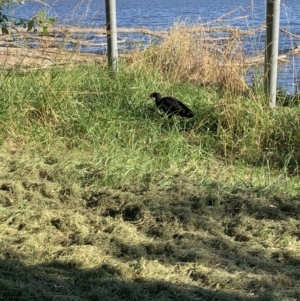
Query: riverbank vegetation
(102, 198)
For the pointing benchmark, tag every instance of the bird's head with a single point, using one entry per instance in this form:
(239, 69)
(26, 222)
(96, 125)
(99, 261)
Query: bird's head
(156, 95)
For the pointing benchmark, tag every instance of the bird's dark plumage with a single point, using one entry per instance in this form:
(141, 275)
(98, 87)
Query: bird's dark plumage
(172, 106)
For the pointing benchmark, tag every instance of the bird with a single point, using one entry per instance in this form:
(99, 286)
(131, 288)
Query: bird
(171, 106)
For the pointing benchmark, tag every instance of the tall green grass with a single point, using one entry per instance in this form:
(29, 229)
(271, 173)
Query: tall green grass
(82, 112)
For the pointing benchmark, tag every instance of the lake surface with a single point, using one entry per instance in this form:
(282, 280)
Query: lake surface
(157, 15)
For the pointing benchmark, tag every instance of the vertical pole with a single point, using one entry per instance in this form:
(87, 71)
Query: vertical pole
(271, 51)
(111, 29)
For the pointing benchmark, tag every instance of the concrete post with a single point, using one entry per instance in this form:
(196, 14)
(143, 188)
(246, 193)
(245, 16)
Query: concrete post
(271, 51)
(111, 29)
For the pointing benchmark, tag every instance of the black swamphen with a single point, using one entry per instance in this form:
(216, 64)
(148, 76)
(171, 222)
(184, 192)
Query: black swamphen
(171, 106)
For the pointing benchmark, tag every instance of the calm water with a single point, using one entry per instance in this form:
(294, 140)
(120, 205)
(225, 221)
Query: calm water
(157, 14)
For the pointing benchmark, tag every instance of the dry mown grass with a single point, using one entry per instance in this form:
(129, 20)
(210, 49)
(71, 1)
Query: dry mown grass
(185, 241)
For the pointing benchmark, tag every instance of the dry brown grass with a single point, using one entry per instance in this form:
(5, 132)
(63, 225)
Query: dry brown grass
(195, 56)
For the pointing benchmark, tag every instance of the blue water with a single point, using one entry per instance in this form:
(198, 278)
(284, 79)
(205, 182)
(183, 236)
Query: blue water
(157, 15)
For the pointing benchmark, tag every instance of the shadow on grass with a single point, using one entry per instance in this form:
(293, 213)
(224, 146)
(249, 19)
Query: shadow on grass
(183, 242)
(67, 281)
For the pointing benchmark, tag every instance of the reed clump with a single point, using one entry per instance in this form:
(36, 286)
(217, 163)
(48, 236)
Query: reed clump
(246, 129)
(193, 55)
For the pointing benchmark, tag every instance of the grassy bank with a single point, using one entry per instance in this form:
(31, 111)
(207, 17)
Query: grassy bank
(101, 198)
